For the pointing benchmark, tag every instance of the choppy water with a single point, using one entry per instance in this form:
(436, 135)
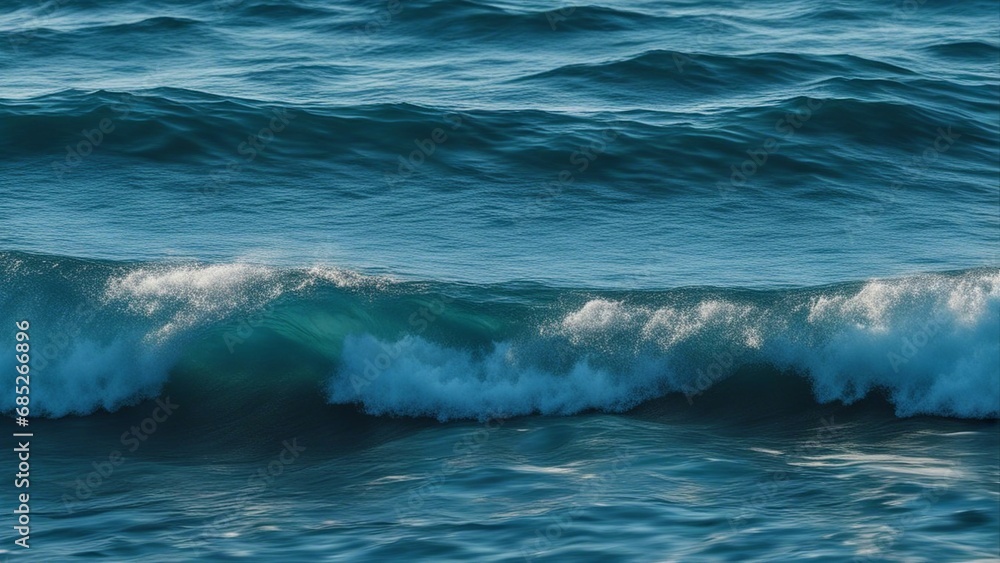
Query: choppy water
(644, 281)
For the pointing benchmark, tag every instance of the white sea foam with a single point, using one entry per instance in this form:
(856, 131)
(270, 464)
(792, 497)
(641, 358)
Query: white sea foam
(932, 342)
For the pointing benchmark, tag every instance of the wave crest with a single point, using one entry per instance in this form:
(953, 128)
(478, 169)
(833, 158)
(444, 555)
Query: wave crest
(109, 334)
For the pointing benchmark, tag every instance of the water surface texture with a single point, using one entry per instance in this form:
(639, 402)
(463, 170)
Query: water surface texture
(504, 281)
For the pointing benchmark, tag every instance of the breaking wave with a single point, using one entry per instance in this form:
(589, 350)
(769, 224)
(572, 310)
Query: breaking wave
(108, 334)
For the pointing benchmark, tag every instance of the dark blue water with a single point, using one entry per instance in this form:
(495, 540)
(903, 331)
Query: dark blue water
(671, 281)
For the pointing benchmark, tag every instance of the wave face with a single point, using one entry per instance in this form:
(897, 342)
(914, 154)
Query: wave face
(109, 334)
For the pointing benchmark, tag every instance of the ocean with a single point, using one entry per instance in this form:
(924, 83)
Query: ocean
(484, 280)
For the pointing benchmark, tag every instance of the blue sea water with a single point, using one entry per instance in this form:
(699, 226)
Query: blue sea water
(477, 280)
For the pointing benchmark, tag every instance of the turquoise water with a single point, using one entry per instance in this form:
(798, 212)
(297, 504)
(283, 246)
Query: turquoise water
(492, 281)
